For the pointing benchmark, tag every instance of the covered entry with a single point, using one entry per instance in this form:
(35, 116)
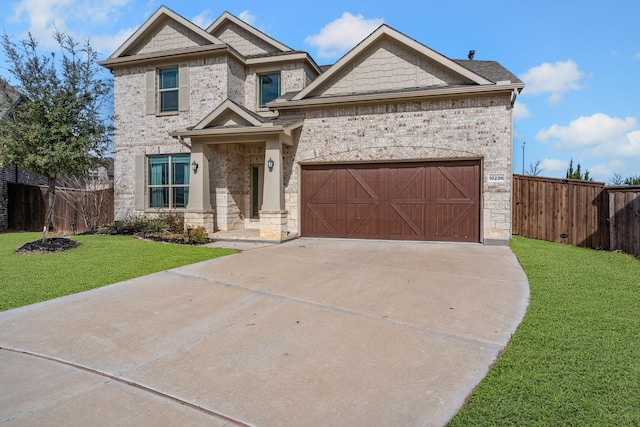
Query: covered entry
(398, 201)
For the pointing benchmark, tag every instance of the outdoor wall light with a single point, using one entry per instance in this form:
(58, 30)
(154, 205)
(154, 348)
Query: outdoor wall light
(270, 164)
(194, 166)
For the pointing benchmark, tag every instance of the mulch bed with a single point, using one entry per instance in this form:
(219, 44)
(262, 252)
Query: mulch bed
(47, 246)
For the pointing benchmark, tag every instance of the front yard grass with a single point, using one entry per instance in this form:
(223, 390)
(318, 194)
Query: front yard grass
(99, 261)
(575, 358)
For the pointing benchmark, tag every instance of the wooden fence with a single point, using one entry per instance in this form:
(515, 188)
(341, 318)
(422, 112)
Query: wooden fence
(579, 213)
(28, 207)
(624, 219)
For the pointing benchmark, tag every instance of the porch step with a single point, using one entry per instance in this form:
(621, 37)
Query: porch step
(241, 235)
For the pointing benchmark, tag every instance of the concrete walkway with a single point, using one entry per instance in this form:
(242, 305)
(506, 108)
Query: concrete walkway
(307, 333)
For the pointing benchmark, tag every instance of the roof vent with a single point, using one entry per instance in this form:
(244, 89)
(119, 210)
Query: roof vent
(471, 53)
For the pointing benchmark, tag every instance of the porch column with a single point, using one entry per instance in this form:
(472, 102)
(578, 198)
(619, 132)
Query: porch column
(199, 212)
(273, 197)
(273, 216)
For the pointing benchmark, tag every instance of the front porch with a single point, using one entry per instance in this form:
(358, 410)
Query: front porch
(236, 186)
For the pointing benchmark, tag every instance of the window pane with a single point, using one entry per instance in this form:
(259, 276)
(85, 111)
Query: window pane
(159, 197)
(180, 166)
(159, 170)
(169, 101)
(180, 197)
(168, 78)
(269, 85)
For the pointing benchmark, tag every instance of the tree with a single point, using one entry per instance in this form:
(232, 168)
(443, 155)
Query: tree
(57, 131)
(577, 173)
(617, 179)
(535, 169)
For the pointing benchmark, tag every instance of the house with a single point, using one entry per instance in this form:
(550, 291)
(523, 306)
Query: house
(393, 141)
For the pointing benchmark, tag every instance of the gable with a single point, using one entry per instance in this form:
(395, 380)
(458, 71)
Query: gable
(167, 35)
(164, 30)
(389, 66)
(229, 114)
(244, 38)
(243, 41)
(387, 60)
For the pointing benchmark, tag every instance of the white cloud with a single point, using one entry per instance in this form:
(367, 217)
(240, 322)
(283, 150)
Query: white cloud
(247, 17)
(636, 56)
(204, 19)
(80, 18)
(553, 79)
(105, 45)
(588, 132)
(344, 33)
(612, 143)
(554, 165)
(520, 111)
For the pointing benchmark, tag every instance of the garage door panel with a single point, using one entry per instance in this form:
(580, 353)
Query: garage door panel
(417, 201)
(454, 222)
(364, 220)
(322, 219)
(407, 220)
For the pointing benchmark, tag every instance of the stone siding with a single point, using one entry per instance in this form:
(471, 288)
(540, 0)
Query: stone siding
(388, 66)
(138, 133)
(465, 128)
(170, 35)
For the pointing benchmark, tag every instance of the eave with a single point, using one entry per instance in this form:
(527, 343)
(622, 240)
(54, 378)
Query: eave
(240, 134)
(382, 98)
(167, 55)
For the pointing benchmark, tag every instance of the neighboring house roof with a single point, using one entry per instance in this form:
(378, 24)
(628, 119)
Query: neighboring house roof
(9, 97)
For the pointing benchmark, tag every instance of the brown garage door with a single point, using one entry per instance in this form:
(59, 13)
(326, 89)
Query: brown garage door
(406, 201)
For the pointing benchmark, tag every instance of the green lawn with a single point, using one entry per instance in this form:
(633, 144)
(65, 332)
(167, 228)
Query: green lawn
(99, 261)
(575, 359)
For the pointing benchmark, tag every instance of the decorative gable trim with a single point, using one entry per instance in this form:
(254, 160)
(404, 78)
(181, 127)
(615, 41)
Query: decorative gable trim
(227, 17)
(382, 32)
(229, 106)
(150, 24)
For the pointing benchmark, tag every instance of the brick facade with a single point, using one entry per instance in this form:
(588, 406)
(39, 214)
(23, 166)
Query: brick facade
(475, 125)
(476, 128)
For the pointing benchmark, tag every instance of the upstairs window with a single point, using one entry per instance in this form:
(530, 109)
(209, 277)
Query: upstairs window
(168, 181)
(268, 88)
(168, 89)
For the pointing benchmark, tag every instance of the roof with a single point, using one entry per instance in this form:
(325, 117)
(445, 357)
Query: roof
(227, 17)
(162, 13)
(9, 96)
(490, 70)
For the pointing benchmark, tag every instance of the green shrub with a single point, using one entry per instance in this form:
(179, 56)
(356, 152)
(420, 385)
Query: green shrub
(157, 226)
(199, 235)
(174, 221)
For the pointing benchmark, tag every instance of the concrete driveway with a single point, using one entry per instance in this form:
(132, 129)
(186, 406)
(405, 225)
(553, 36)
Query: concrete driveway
(310, 332)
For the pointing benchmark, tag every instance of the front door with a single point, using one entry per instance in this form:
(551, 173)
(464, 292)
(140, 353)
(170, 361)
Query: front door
(257, 187)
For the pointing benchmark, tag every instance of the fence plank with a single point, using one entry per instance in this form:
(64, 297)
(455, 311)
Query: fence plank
(591, 215)
(28, 206)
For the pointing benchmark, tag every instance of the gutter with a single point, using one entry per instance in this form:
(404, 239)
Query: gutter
(378, 98)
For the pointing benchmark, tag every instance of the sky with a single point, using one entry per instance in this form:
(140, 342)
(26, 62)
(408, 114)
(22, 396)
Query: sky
(579, 59)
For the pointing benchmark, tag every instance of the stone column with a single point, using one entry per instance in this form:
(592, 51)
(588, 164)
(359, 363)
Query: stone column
(273, 216)
(199, 212)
